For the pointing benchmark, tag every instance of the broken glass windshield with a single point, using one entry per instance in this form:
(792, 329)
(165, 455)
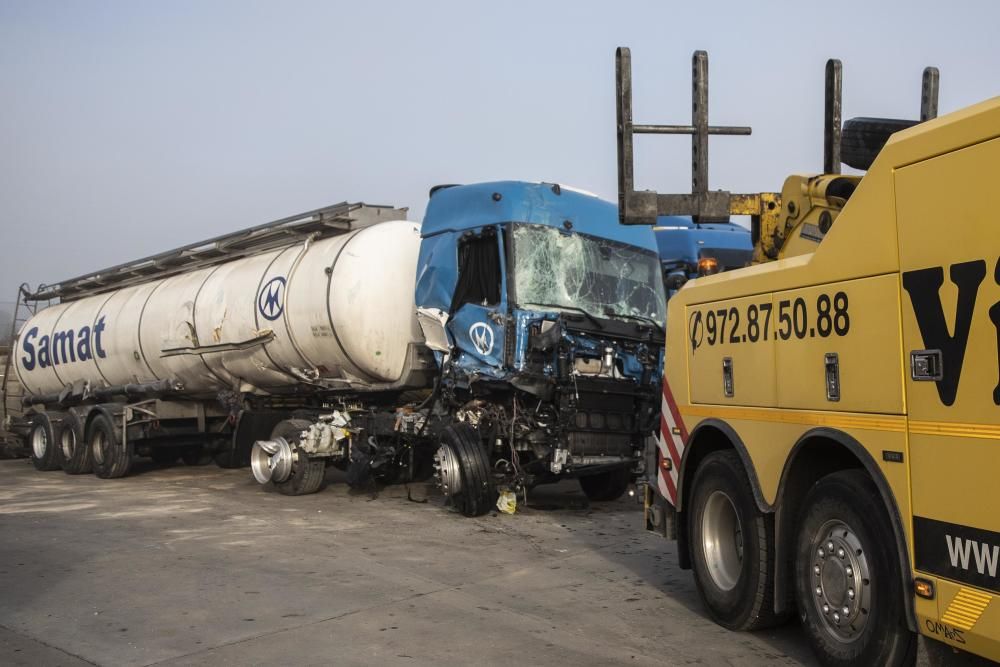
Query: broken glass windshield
(600, 276)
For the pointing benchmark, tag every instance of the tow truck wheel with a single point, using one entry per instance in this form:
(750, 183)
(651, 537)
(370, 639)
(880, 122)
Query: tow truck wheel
(847, 579)
(76, 456)
(45, 452)
(732, 545)
(462, 469)
(112, 457)
(606, 486)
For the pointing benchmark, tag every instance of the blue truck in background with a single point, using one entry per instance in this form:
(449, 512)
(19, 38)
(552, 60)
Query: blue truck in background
(688, 249)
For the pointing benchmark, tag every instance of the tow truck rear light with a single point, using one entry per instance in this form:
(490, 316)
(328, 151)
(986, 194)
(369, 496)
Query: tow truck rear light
(708, 266)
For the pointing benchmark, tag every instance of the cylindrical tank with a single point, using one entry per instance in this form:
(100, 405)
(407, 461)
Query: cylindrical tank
(340, 308)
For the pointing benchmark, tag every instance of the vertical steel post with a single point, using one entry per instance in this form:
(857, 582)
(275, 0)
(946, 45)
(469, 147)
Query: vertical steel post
(832, 116)
(929, 94)
(623, 87)
(699, 120)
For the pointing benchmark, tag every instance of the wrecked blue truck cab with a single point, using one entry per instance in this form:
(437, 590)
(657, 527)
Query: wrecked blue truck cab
(545, 318)
(688, 249)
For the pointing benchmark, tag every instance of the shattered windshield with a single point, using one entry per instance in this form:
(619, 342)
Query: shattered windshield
(576, 271)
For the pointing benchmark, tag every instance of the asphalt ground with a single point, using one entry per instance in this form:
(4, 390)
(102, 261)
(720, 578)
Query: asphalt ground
(193, 566)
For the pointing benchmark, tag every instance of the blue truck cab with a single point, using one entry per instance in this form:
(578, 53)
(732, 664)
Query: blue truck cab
(688, 249)
(545, 317)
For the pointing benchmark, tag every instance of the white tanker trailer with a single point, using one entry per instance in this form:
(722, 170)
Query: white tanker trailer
(512, 339)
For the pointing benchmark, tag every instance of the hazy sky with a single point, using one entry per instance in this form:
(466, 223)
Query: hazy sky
(128, 128)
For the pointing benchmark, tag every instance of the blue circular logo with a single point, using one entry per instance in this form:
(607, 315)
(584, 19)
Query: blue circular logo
(271, 300)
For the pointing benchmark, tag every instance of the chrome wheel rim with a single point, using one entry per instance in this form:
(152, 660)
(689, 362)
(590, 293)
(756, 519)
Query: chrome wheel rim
(68, 442)
(39, 441)
(841, 580)
(100, 446)
(271, 460)
(722, 540)
(447, 474)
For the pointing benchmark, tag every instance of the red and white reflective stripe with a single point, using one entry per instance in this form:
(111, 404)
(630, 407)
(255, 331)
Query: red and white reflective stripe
(673, 437)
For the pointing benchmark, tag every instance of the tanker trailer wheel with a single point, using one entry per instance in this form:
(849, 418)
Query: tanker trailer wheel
(462, 470)
(45, 453)
(279, 461)
(76, 456)
(606, 486)
(112, 457)
(847, 580)
(732, 545)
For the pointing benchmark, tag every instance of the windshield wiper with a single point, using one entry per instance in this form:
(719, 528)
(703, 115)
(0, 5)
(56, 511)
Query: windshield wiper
(641, 318)
(593, 320)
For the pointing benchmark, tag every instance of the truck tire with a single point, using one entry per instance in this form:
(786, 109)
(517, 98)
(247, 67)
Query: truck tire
(43, 443)
(847, 580)
(478, 494)
(76, 457)
(863, 138)
(606, 486)
(112, 457)
(307, 476)
(732, 545)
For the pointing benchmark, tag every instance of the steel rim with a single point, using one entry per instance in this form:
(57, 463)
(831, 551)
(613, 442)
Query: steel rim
(722, 540)
(271, 460)
(39, 441)
(68, 442)
(446, 471)
(100, 446)
(841, 580)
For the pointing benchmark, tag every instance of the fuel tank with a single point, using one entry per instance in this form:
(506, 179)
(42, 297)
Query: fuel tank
(337, 312)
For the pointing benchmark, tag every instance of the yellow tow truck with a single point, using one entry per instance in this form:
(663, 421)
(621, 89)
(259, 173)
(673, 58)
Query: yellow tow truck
(830, 433)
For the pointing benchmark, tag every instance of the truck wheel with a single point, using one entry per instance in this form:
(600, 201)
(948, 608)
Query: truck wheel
(847, 579)
(112, 457)
(45, 453)
(76, 457)
(606, 486)
(732, 545)
(463, 469)
(306, 476)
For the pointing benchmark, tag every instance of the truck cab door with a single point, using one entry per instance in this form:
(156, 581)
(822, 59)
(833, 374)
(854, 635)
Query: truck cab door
(950, 307)
(479, 305)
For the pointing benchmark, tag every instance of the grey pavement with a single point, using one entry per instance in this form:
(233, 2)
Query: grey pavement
(195, 566)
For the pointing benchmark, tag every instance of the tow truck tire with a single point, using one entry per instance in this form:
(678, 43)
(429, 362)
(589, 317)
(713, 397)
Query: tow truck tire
(732, 545)
(76, 456)
(606, 486)
(478, 495)
(43, 443)
(863, 138)
(307, 475)
(847, 580)
(112, 457)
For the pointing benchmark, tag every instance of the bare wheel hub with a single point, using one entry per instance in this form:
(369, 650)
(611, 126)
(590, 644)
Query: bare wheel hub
(841, 580)
(271, 460)
(39, 441)
(446, 471)
(722, 540)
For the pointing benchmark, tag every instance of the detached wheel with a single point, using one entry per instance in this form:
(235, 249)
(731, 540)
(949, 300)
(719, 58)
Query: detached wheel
(463, 470)
(847, 579)
(606, 486)
(732, 546)
(112, 457)
(42, 438)
(76, 455)
(279, 461)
